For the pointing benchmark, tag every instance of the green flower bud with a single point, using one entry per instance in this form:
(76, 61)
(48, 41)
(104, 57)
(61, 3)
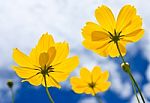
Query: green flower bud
(125, 67)
(10, 83)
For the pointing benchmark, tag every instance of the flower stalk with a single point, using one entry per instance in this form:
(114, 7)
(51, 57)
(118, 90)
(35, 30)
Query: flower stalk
(126, 68)
(48, 93)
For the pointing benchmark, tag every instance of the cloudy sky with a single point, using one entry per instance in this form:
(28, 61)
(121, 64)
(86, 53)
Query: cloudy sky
(23, 21)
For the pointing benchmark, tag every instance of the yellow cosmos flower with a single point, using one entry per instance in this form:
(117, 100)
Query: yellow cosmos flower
(91, 82)
(47, 62)
(104, 38)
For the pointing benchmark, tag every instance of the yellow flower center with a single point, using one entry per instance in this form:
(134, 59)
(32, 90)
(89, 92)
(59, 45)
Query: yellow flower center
(92, 85)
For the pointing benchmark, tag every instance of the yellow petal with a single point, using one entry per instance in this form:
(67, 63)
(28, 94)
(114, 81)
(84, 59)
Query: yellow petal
(89, 90)
(78, 85)
(45, 42)
(43, 59)
(25, 72)
(125, 16)
(103, 77)
(136, 24)
(62, 51)
(134, 36)
(96, 90)
(35, 80)
(106, 18)
(34, 56)
(51, 82)
(98, 35)
(67, 65)
(113, 51)
(96, 73)
(22, 59)
(78, 82)
(85, 75)
(52, 54)
(103, 51)
(103, 86)
(94, 45)
(59, 75)
(89, 28)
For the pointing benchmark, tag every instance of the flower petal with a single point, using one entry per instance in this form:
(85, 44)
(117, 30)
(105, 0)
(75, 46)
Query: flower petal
(94, 45)
(98, 35)
(103, 86)
(103, 77)
(91, 27)
(22, 59)
(105, 18)
(67, 65)
(134, 36)
(34, 57)
(52, 54)
(103, 51)
(25, 72)
(51, 82)
(45, 42)
(35, 80)
(43, 59)
(85, 75)
(125, 16)
(78, 85)
(62, 51)
(113, 51)
(136, 24)
(96, 73)
(59, 76)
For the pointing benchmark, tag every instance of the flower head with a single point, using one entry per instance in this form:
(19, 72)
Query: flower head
(47, 62)
(91, 82)
(103, 37)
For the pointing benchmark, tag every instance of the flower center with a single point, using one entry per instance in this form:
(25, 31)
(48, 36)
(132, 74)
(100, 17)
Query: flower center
(92, 85)
(47, 70)
(115, 37)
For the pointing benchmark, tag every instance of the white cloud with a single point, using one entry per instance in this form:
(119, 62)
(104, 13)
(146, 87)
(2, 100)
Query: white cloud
(147, 73)
(88, 100)
(146, 90)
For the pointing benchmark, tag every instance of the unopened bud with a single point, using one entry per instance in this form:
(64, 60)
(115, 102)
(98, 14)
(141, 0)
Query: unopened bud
(125, 67)
(10, 83)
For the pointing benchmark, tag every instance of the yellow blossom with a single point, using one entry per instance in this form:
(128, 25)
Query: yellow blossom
(91, 82)
(104, 37)
(47, 62)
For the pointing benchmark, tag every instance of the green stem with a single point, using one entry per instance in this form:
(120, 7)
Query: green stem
(120, 53)
(49, 96)
(131, 77)
(139, 90)
(12, 94)
(98, 99)
(134, 89)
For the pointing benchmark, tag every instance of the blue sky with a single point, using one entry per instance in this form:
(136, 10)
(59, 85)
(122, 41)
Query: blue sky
(23, 21)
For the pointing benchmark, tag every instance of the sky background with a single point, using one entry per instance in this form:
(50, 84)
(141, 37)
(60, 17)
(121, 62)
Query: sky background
(23, 21)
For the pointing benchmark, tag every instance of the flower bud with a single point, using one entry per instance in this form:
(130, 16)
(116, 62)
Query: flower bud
(125, 67)
(10, 83)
